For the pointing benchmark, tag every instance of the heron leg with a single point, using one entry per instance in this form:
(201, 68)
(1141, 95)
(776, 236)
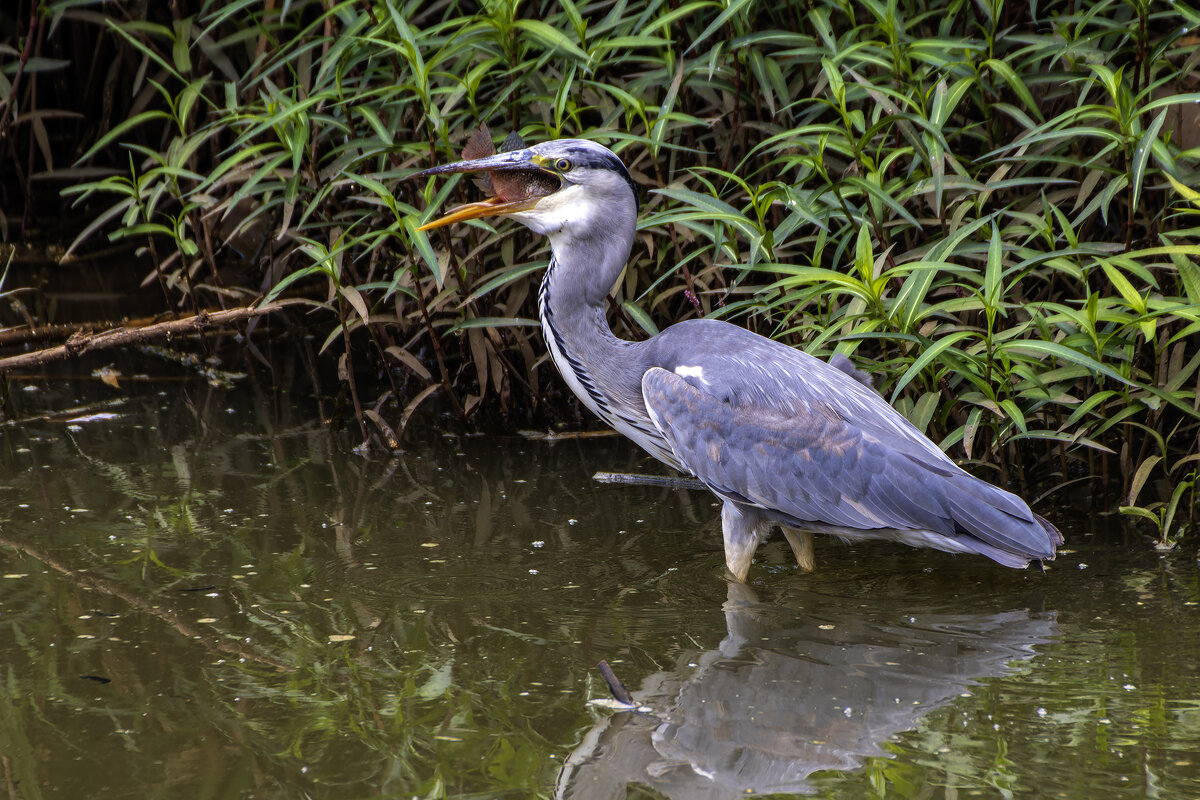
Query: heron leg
(802, 547)
(742, 529)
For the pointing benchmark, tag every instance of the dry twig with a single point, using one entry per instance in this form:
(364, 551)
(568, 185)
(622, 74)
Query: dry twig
(86, 341)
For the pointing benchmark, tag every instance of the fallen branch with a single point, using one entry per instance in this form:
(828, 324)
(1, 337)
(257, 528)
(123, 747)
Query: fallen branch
(83, 341)
(26, 335)
(550, 436)
(633, 479)
(58, 331)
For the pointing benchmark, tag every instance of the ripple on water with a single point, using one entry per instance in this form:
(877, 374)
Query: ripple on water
(455, 584)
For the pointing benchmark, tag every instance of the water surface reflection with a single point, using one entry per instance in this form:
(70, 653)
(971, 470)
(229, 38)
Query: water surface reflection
(203, 597)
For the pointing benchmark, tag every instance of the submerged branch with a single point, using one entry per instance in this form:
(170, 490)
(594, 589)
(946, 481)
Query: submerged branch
(83, 341)
(155, 608)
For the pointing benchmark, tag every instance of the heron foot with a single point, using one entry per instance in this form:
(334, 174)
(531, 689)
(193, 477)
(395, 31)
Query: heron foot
(742, 529)
(802, 548)
(738, 555)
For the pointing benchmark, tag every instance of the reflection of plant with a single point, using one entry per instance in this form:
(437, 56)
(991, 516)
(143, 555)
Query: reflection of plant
(217, 585)
(477, 687)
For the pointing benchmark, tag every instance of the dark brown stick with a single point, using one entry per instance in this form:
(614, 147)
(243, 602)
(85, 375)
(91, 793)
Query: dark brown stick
(83, 342)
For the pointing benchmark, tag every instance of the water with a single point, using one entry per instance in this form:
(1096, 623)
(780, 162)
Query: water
(204, 599)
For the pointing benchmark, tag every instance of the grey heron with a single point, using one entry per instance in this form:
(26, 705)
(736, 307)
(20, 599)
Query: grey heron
(781, 437)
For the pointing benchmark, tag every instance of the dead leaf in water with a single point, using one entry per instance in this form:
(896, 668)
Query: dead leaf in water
(109, 375)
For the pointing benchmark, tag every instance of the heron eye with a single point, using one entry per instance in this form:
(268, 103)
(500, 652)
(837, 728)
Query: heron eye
(562, 165)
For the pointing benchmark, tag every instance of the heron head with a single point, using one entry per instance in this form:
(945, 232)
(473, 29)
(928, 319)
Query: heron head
(561, 186)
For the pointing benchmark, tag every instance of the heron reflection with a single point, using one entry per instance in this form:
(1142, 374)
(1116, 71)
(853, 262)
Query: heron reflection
(787, 694)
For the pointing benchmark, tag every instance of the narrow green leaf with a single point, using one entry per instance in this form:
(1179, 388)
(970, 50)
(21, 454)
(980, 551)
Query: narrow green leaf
(926, 358)
(1015, 414)
(733, 9)
(1189, 194)
(119, 129)
(1131, 295)
(1063, 353)
(551, 37)
(1014, 81)
(1140, 476)
(923, 411)
(640, 316)
(421, 242)
(505, 277)
(1141, 155)
(885, 198)
(1135, 511)
(994, 272)
(493, 322)
(864, 256)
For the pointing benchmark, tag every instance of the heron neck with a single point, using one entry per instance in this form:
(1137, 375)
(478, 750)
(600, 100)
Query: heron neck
(605, 372)
(598, 366)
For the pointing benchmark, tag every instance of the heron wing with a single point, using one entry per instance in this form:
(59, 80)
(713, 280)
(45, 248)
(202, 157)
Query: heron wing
(745, 369)
(810, 463)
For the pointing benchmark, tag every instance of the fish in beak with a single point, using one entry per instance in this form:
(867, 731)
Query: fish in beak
(514, 180)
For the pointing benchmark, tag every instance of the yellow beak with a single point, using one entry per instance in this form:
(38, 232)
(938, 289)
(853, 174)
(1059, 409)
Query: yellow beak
(484, 208)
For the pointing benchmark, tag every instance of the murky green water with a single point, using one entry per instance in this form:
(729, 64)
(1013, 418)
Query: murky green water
(202, 602)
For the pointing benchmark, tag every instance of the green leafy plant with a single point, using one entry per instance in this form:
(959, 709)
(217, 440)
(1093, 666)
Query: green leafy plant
(991, 207)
